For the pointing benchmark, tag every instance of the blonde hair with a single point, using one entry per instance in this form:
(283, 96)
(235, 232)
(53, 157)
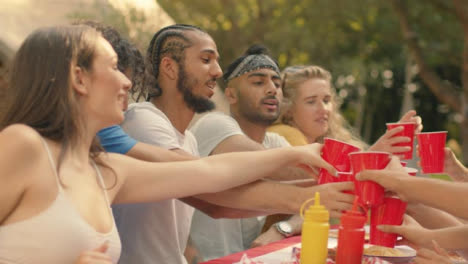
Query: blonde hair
(292, 77)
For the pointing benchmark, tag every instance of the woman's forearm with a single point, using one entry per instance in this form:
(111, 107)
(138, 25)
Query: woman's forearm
(150, 182)
(243, 167)
(432, 218)
(452, 237)
(447, 196)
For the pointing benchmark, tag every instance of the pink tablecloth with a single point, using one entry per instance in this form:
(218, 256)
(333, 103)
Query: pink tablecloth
(255, 252)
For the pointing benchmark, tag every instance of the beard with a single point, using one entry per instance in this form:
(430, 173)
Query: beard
(254, 115)
(185, 84)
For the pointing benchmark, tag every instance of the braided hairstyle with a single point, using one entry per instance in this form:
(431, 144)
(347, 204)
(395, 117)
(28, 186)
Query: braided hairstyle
(169, 41)
(255, 49)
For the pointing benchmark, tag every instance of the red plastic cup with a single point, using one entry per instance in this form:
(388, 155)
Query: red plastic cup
(346, 176)
(390, 212)
(403, 163)
(336, 153)
(431, 151)
(370, 193)
(411, 171)
(408, 131)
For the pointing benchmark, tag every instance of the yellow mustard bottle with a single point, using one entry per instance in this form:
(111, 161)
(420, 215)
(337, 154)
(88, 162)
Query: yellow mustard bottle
(314, 233)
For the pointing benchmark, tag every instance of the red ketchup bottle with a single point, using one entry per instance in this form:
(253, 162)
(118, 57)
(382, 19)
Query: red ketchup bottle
(351, 237)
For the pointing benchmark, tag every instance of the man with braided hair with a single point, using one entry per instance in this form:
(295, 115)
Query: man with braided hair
(181, 72)
(130, 62)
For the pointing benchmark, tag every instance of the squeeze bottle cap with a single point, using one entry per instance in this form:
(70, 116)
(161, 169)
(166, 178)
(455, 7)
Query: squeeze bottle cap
(315, 212)
(353, 217)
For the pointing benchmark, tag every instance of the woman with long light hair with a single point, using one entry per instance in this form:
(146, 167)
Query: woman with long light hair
(309, 113)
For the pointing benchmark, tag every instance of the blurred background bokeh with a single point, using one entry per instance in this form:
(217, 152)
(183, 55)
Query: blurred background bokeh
(385, 56)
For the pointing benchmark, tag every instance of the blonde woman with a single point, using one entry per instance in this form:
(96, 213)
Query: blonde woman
(56, 185)
(310, 107)
(309, 113)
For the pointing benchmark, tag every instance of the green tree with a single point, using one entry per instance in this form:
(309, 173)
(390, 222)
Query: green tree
(133, 22)
(359, 41)
(425, 46)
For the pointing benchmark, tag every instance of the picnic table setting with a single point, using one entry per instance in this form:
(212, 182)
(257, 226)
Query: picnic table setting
(356, 239)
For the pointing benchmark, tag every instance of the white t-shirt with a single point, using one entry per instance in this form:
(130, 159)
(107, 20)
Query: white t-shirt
(154, 232)
(219, 237)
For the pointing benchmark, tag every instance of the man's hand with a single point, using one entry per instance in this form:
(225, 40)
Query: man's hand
(311, 160)
(333, 198)
(270, 236)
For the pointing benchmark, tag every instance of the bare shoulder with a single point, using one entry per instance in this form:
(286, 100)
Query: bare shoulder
(20, 154)
(20, 140)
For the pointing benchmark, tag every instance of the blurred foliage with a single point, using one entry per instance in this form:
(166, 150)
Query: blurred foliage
(359, 41)
(132, 25)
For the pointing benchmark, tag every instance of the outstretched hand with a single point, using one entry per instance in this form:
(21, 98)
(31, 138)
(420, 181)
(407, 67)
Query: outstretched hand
(333, 197)
(387, 142)
(389, 178)
(453, 167)
(427, 256)
(311, 159)
(412, 232)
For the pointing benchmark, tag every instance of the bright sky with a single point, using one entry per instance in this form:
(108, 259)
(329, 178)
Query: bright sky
(139, 4)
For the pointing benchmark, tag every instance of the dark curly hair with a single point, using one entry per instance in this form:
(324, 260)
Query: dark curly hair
(129, 57)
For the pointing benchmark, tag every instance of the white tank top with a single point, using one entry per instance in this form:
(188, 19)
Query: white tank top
(57, 235)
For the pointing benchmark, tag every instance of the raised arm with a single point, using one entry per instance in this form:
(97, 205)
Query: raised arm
(388, 140)
(144, 182)
(238, 143)
(430, 217)
(217, 211)
(450, 238)
(147, 152)
(275, 197)
(448, 196)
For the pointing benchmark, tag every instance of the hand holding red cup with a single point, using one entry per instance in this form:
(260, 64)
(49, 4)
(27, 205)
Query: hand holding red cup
(335, 152)
(370, 193)
(408, 131)
(390, 212)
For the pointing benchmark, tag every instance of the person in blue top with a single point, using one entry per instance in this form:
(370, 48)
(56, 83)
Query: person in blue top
(130, 62)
